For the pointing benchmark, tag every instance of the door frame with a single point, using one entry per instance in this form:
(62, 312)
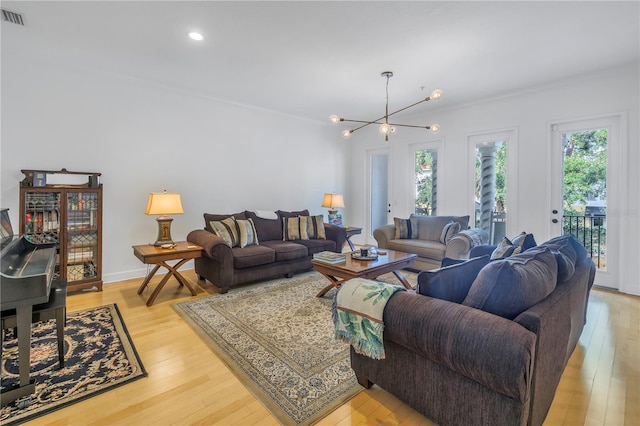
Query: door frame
(434, 145)
(510, 136)
(616, 175)
(368, 234)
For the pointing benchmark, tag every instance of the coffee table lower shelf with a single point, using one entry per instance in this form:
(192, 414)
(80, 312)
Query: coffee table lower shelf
(338, 273)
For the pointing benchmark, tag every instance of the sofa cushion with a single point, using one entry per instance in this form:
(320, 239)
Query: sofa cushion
(313, 227)
(406, 228)
(247, 234)
(448, 261)
(451, 283)
(208, 217)
(510, 286)
(524, 241)
(287, 250)
(449, 230)
(505, 249)
(252, 256)
(267, 229)
(226, 229)
(568, 251)
(316, 245)
(422, 248)
(293, 230)
(569, 240)
(430, 227)
(283, 213)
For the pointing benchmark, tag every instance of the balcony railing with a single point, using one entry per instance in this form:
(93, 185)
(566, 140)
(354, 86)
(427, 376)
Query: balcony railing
(591, 231)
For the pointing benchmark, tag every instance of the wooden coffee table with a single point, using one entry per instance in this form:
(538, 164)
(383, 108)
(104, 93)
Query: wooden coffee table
(391, 261)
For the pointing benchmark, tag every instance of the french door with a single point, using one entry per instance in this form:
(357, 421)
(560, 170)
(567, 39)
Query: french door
(585, 181)
(378, 192)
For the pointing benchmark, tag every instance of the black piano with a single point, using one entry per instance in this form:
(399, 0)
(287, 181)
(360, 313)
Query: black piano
(26, 276)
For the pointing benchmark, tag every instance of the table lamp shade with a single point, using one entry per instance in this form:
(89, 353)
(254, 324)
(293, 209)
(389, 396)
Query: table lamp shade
(164, 203)
(331, 201)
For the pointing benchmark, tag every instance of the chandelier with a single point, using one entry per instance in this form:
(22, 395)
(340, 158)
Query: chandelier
(385, 127)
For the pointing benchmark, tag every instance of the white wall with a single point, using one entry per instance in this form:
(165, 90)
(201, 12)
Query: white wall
(222, 158)
(530, 114)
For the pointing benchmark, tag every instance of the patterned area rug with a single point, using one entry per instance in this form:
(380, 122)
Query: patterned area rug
(277, 337)
(99, 356)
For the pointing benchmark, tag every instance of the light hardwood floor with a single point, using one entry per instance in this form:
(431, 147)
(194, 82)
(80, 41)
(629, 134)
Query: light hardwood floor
(188, 385)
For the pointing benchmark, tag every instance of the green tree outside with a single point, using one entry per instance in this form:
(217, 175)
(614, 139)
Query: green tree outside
(423, 179)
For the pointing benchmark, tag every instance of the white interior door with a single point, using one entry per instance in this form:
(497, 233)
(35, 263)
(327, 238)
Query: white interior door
(585, 179)
(379, 193)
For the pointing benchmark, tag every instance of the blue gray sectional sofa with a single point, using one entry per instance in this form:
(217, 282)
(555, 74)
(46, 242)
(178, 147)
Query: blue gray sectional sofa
(491, 349)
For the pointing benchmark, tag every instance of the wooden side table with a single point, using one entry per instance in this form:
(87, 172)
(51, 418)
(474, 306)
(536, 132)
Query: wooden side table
(351, 231)
(152, 255)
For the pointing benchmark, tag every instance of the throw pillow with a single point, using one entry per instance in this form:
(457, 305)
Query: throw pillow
(313, 226)
(297, 228)
(451, 283)
(406, 228)
(227, 230)
(448, 261)
(510, 286)
(449, 230)
(248, 236)
(524, 241)
(505, 249)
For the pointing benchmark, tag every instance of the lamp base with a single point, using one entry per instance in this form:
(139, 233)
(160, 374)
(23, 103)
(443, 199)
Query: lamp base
(335, 218)
(164, 231)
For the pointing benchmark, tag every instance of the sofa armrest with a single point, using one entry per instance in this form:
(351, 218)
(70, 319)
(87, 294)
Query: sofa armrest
(461, 244)
(337, 234)
(489, 349)
(384, 234)
(214, 246)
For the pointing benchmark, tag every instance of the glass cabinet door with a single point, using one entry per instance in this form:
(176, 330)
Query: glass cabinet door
(42, 217)
(82, 235)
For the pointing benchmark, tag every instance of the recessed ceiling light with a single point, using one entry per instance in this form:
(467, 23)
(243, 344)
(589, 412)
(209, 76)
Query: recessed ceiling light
(195, 36)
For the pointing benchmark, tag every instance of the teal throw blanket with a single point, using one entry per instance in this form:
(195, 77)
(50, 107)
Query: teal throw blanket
(357, 312)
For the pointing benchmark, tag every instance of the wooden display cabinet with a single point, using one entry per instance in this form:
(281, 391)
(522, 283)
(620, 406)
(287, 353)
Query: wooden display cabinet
(70, 216)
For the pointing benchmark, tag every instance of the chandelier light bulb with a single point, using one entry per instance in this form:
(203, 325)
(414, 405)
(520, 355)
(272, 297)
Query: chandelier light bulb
(435, 128)
(392, 129)
(346, 134)
(334, 118)
(436, 94)
(384, 128)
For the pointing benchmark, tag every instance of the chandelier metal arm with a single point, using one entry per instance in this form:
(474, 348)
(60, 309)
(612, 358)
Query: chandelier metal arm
(377, 121)
(410, 125)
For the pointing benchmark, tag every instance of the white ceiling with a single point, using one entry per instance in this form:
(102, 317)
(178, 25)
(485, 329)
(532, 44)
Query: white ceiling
(312, 59)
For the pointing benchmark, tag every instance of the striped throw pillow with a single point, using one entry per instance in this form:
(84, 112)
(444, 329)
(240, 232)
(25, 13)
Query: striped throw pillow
(406, 228)
(449, 230)
(314, 227)
(247, 233)
(291, 229)
(226, 229)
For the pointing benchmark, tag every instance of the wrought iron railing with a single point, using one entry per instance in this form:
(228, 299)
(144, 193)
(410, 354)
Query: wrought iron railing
(591, 231)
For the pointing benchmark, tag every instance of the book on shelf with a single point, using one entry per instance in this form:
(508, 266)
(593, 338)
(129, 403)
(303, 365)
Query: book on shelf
(329, 257)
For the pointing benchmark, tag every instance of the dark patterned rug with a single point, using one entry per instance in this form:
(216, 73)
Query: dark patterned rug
(99, 356)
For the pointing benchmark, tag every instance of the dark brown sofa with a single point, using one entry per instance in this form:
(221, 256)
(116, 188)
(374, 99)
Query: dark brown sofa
(476, 363)
(272, 257)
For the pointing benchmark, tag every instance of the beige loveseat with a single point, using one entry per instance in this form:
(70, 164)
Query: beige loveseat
(427, 243)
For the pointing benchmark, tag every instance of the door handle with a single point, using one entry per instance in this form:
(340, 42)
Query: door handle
(554, 211)
(554, 220)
